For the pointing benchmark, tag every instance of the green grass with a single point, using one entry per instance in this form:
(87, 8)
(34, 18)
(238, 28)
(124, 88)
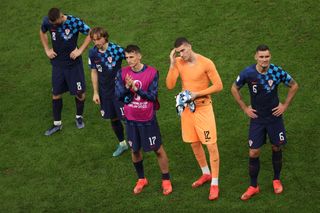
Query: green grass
(74, 171)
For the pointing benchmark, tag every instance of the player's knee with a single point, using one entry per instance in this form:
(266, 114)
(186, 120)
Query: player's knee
(196, 145)
(115, 122)
(115, 119)
(159, 151)
(56, 97)
(254, 153)
(81, 96)
(276, 148)
(136, 156)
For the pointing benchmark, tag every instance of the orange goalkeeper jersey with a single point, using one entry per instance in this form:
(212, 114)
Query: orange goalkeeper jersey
(195, 77)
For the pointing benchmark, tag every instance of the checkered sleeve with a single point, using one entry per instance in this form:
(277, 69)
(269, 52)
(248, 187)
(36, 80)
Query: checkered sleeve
(82, 26)
(118, 51)
(284, 76)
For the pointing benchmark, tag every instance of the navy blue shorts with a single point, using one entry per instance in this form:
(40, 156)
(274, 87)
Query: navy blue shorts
(143, 134)
(111, 108)
(70, 78)
(258, 132)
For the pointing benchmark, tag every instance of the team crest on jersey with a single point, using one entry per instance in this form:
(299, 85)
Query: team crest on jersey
(66, 34)
(270, 82)
(109, 59)
(67, 31)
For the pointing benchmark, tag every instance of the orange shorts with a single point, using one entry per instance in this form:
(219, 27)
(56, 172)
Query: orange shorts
(199, 125)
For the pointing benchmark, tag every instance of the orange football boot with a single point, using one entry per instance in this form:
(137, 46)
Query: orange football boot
(141, 183)
(277, 186)
(202, 180)
(250, 192)
(214, 192)
(166, 186)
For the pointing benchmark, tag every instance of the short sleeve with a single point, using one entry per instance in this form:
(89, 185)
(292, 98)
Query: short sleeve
(45, 24)
(241, 79)
(285, 77)
(91, 63)
(83, 27)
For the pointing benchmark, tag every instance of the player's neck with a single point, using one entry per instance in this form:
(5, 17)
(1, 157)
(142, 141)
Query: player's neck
(193, 58)
(138, 67)
(64, 18)
(104, 48)
(261, 69)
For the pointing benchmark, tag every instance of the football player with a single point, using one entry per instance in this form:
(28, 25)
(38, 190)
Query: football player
(265, 113)
(66, 61)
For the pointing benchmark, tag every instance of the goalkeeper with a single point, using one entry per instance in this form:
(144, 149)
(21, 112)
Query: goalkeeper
(197, 123)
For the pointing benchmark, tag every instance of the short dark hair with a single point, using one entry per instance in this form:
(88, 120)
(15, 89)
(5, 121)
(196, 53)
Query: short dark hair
(54, 14)
(180, 41)
(100, 32)
(132, 48)
(262, 47)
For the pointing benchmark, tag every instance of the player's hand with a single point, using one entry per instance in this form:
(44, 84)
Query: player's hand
(50, 53)
(279, 110)
(96, 98)
(129, 81)
(173, 56)
(193, 95)
(75, 53)
(251, 112)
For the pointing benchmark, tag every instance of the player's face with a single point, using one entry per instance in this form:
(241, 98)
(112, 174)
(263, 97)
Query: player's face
(133, 59)
(99, 42)
(184, 51)
(263, 58)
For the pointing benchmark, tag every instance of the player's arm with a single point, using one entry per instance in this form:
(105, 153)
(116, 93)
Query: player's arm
(84, 29)
(45, 43)
(77, 52)
(215, 79)
(173, 72)
(121, 91)
(152, 92)
(95, 86)
(235, 91)
(281, 108)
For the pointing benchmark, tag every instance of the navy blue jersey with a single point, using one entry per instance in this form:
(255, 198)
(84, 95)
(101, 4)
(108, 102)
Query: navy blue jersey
(64, 38)
(263, 89)
(107, 64)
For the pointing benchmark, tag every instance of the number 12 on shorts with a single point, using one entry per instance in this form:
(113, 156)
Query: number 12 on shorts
(152, 140)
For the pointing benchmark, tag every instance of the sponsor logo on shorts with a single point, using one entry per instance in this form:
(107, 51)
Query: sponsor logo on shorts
(250, 143)
(130, 143)
(102, 112)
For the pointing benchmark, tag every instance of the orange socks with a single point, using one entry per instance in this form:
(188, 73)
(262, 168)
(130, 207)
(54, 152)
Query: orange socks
(214, 159)
(199, 154)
